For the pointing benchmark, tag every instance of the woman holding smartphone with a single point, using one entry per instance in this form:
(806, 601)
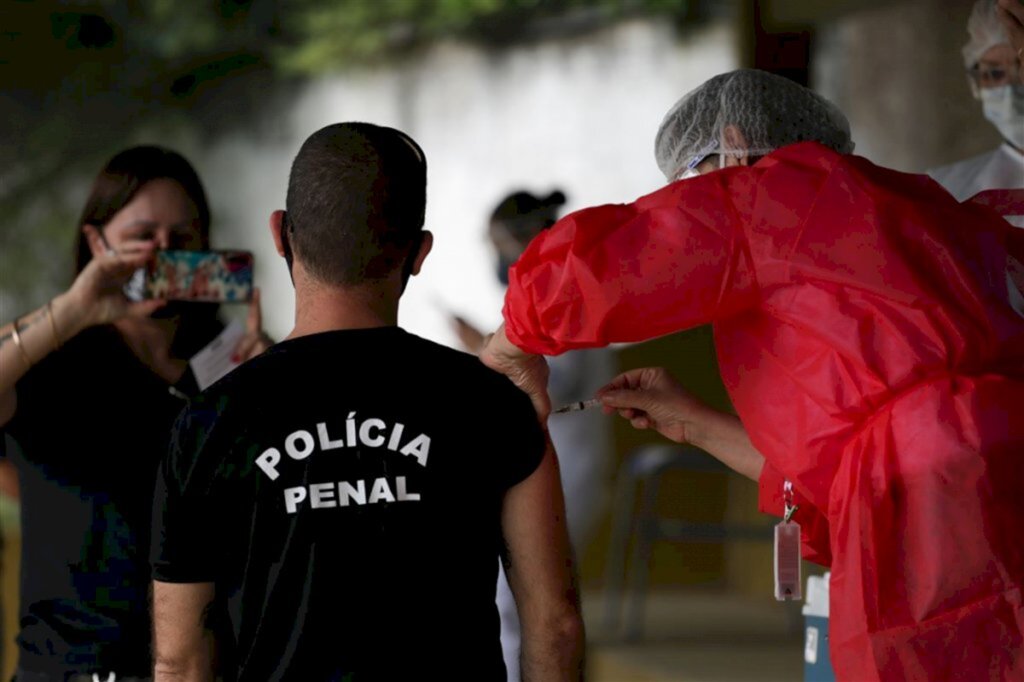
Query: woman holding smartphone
(90, 384)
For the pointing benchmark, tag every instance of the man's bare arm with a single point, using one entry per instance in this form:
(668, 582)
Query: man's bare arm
(540, 571)
(182, 645)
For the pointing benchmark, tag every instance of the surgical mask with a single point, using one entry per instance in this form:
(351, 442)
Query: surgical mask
(1004, 108)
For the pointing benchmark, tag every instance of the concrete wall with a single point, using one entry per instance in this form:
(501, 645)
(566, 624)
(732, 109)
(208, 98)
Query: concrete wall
(577, 114)
(897, 73)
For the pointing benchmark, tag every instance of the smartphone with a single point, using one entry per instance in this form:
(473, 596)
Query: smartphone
(213, 276)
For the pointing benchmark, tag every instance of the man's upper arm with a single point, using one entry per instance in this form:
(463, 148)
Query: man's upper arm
(540, 572)
(188, 516)
(182, 648)
(539, 557)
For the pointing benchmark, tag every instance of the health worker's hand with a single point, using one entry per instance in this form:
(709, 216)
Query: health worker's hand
(651, 398)
(527, 371)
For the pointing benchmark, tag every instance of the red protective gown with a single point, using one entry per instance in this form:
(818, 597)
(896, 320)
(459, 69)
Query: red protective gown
(871, 337)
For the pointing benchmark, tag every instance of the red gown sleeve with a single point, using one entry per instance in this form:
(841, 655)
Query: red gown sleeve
(671, 260)
(814, 530)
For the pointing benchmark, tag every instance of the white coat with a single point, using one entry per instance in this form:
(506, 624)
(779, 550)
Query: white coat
(1001, 168)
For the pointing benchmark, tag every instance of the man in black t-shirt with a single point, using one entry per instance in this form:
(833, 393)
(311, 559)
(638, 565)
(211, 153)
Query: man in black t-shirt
(343, 497)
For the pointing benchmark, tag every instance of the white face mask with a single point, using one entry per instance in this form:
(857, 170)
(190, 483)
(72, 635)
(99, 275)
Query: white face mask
(1004, 108)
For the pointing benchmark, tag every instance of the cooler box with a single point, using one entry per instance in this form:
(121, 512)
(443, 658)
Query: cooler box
(817, 666)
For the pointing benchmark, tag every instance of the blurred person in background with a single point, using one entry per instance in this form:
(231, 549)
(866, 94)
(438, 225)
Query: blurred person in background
(581, 439)
(872, 347)
(89, 387)
(1011, 12)
(994, 71)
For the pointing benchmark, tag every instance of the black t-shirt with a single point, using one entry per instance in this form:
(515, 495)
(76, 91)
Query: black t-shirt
(91, 426)
(343, 492)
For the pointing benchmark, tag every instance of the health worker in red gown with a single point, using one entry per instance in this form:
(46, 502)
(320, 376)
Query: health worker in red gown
(870, 331)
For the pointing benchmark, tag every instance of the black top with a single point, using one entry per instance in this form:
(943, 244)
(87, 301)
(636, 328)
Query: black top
(343, 492)
(92, 423)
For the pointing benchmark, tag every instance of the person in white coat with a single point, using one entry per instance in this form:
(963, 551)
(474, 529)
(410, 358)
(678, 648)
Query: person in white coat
(994, 73)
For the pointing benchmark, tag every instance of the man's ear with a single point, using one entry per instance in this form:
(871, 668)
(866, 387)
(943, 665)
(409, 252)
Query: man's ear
(737, 145)
(276, 225)
(426, 243)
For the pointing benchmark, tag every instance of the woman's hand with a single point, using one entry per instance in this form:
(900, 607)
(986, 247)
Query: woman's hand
(255, 340)
(97, 294)
(528, 372)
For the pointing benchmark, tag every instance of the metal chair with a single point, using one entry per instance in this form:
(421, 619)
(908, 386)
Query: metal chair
(644, 467)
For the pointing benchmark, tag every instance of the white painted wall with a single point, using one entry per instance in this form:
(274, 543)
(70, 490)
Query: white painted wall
(576, 114)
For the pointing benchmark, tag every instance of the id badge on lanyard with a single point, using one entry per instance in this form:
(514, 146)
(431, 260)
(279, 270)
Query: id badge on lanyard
(787, 551)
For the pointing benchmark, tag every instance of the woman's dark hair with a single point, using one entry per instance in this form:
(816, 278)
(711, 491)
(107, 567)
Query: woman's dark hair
(123, 176)
(519, 204)
(524, 215)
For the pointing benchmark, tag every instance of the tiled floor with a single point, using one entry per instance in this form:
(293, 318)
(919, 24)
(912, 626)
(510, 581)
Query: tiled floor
(700, 636)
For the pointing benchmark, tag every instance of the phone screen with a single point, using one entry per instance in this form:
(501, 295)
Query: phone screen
(215, 276)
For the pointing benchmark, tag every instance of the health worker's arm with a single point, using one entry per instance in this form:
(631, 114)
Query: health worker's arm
(651, 398)
(669, 261)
